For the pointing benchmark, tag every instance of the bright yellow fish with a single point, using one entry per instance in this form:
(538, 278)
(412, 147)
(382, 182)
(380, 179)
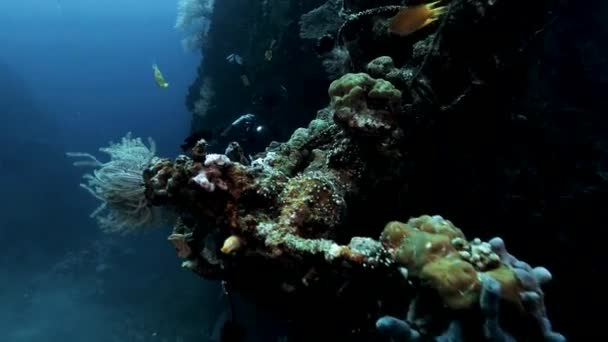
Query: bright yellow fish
(158, 77)
(411, 19)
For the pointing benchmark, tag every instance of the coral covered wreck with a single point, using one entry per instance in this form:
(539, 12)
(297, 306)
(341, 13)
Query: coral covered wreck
(308, 226)
(284, 225)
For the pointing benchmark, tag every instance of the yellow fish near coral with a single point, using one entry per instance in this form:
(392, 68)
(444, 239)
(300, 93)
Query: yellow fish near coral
(413, 18)
(158, 77)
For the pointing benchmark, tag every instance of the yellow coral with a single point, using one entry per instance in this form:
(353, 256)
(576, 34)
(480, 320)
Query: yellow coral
(232, 244)
(426, 247)
(455, 280)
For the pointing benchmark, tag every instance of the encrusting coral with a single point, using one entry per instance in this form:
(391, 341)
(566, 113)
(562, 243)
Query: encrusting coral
(292, 204)
(297, 219)
(365, 105)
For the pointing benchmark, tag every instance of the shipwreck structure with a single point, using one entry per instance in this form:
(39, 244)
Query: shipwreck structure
(351, 225)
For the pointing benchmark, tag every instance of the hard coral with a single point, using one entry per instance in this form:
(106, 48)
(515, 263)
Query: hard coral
(436, 252)
(424, 247)
(381, 66)
(365, 105)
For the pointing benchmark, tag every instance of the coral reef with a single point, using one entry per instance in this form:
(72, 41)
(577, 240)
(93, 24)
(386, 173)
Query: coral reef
(288, 219)
(303, 225)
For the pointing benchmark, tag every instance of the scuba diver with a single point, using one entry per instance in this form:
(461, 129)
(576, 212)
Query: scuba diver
(253, 132)
(247, 130)
(250, 132)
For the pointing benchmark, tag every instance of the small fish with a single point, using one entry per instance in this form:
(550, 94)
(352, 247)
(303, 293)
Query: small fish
(413, 18)
(245, 81)
(268, 52)
(233, 58)
(268, 55)
(158, 77)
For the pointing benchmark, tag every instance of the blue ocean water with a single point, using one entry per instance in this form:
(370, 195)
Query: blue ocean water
(75, 75)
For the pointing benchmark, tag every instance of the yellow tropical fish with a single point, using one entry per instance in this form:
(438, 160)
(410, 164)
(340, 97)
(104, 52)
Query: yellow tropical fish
(158, 77)
(411, 19)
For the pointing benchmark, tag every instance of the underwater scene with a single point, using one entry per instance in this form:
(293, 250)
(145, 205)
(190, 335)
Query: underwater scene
(303, 170)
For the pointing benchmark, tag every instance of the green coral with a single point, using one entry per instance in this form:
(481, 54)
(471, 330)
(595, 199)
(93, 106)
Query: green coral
(384, 90)
(365, 105)
(351, 90)
(430, 248)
